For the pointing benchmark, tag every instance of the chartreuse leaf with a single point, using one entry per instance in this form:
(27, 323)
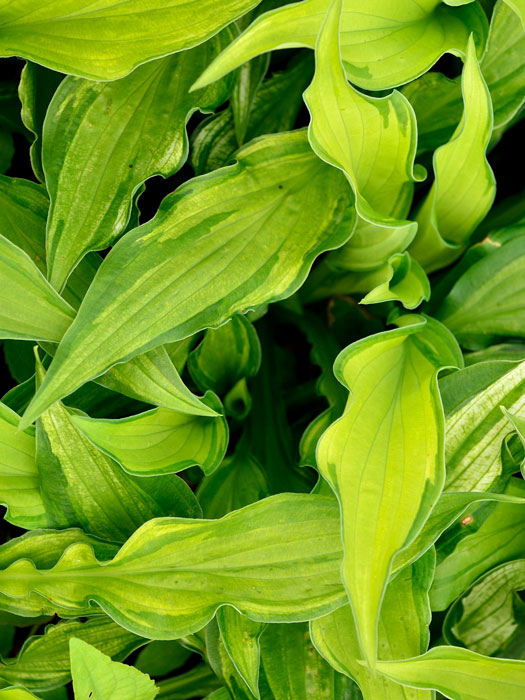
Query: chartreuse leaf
(43, 663)
(372, 140)
(405, 281)
(478, 547)
(30, 307)
(19, 478)
(126, 131)
(402, 632)
(82, 486)
(16, 694)
(460, 674)
(107, 41)
(292, 669)
(220, 661)
(489, 617)
(475, 424)
(160, 441)
(278, 561)
(221, 244)
(464, 185)
(519, 7)
(240, 637)
(97, 677)
(389, 43)
(488, 299)
(386, 481)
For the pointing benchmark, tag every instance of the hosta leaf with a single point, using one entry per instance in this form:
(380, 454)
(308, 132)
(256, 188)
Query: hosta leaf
(107, 41)
(460, 674)
(19, 478)
(31, 309)
(222, 664)
(276, 560)
(82, 486)
(248, 81)
(226, 355)
(159, 658)
(388, 45)
(240, 637)
(475, 424)
(96, 676)
(223, 243)
(372, 140)
(402, 632)
(405, 281)
(160, 441)
(198, 682)
(464, 186)
(102, 140)
(499, 538)
(16, 694)
(386, 481)
(487, 301)
(43, 663)
(490, 615)
(292, 669)
(519, 7)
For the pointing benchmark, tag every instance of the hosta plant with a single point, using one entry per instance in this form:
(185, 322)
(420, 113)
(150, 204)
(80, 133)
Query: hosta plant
(262, 316)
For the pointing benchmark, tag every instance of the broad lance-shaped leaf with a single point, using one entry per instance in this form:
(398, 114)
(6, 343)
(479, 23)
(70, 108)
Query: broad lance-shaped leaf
(385, 479)
(372, 140)
(489, 617)
(160, 441)
(82, 486)
(30, 307)
(96, 676)
(464, 185)
(102, 140)
(222, 243)
(277, 560)
(19, 478)
(107, 41)
(402, 633)
(43, 662)
(383, 45)
(460, 674)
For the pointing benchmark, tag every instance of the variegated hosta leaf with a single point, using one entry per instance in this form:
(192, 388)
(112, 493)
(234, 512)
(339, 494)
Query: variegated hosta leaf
(277, 560)
(475, 424)
(388, 43)
(96, 676)
(460, 674)
(240, 637)
(19, 478)
(481, 544)
(107, 41)
(221, 244)
(464, 186)
(387, 483)
(160, 441)
(127, 130)
(405, 281)
(43, 662)
(372, 140)
(488, 299)
(488, 618)
(402, 633)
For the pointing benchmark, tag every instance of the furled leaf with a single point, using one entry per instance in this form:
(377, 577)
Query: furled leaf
(240, 637)
(490, 615)
(460, 674)
(19, 478)
(386, 481)
(102, 140)
(30, 307)
(475, 424)
(248, 81)
(96, 676)
(107, 41)
(276, 560)
(402, 633)
(499, 538)
(160, 441)
(487, 301)
(464, 185)
(388, 45)
(221, 662)
(43, 663)
(270, 215)
(405, 281)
